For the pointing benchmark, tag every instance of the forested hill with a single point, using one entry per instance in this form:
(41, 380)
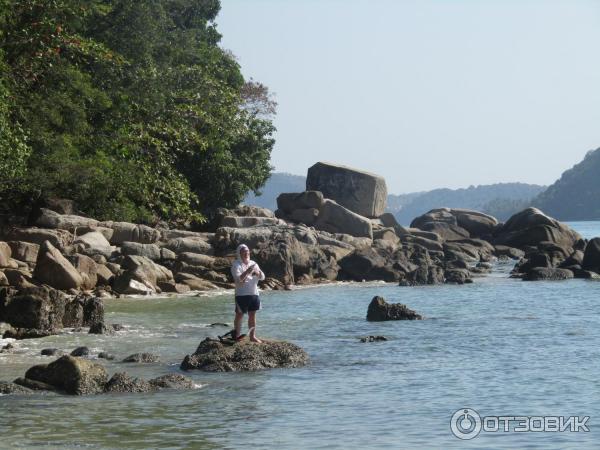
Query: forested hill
(576, 194)
(131, 109)
(501, 200)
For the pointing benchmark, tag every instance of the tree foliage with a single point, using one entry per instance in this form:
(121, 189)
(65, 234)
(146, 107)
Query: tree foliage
(130, 108)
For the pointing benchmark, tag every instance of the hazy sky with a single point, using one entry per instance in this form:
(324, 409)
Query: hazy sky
(428, 94)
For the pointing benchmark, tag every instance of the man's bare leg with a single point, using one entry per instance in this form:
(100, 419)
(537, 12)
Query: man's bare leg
(237, 322)
(252, 327)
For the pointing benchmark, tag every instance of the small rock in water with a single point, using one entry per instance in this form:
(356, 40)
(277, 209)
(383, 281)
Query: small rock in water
(380, 310)
(373, 339)
(123, 382)
(7, 388)
(80, 351)
(105, 355)
(50, 351)
(219, 324)
(101, 328)
(117, 326)
(142, 358)
(34, 385)
(173, 381)
(7, 348)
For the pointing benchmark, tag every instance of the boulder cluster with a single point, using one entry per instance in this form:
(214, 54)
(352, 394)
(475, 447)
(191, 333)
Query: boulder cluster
(79, 376)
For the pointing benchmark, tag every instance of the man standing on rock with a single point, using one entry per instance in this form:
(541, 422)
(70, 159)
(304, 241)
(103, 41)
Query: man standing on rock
(246, 275)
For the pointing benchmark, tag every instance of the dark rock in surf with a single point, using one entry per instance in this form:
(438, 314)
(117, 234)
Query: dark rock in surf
(380, 310)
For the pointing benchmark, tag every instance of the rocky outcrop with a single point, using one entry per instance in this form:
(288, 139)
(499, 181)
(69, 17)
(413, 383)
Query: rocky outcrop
(361, 192)
(72, 375)
(453, 224)
(379, 310)
(214, 356)
(41, 311)
(531, 226)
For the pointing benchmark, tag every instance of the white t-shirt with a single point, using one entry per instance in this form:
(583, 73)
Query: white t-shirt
(250, 285)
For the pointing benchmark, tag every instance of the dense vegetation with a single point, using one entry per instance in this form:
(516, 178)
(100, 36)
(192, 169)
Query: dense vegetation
(574, 196)
(129, 108)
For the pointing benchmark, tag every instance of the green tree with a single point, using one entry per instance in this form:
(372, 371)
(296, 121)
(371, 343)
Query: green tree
(132, 109)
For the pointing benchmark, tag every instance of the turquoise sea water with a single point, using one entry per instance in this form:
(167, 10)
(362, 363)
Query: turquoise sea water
(500, 346)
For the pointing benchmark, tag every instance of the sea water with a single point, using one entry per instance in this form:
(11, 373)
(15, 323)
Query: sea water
(498, 347)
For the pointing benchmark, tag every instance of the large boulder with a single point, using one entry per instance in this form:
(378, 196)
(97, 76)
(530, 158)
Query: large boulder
(290, 202)
(335, 218)
(24, 251)
(40, 308)
(51, 219)
(5, 255)
(190, 245)
(214, 356)
(454, 223)
(93, 239)
(143, 271)
(247, 221)
(125, 231)
(58, 238)
(591, 256)
(150, 251)
(53, 269)
(367, 264)
(361, 192)
(87, 268)
(76, 376)
(379, 310)
(531, 226)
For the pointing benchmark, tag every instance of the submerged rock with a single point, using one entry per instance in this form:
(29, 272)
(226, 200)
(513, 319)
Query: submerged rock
(8, 388)
(214, 356)
(50, 352)
(373, 339)
(380, 310)
(142, 358)
(80, 351)
(547, 274)
(123, 382)
(172, 381)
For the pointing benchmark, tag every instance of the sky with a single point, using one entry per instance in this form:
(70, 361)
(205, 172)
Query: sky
(426, 93)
